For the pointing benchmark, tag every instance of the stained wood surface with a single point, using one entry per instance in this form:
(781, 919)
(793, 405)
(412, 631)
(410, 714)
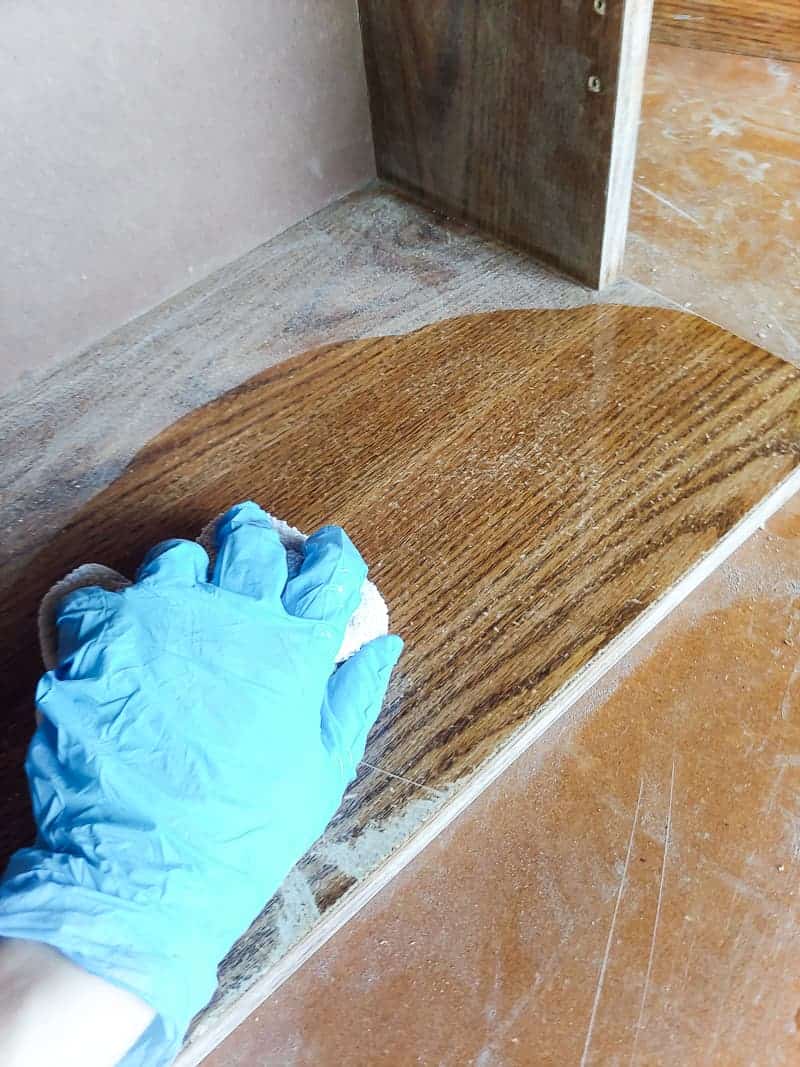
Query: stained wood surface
(525, 486)
(521, 938)
(371, 264)
(768, 28)
(485, 111)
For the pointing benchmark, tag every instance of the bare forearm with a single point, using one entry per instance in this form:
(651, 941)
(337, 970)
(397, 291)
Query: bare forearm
(52, 1011)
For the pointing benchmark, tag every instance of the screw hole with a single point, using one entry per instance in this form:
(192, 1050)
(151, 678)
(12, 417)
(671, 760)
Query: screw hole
(600, 6)
(594, 85)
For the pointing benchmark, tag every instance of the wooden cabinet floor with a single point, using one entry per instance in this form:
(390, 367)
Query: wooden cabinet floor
(530, 488)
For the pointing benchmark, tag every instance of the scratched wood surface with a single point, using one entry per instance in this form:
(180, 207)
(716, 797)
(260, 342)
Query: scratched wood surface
(524, 484)
(486, 111)
(768, 28)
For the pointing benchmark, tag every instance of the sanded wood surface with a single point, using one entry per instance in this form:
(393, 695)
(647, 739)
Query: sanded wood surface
(756, 28)
(525, 485)
(518, 116)
(371, 264)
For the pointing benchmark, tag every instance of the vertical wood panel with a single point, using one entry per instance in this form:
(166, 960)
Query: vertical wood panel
(486, 110)
(768, 28)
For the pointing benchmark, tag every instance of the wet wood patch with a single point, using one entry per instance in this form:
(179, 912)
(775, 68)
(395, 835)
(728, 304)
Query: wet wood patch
(530, 488)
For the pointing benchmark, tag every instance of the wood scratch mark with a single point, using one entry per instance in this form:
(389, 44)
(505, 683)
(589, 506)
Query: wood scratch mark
(668, 203)
(739, 885)
(400, 778)
(603, 966)
(786, 702)
(774, 789)
(734, 902)
(652, 955)
(734, 971)
(791, 760)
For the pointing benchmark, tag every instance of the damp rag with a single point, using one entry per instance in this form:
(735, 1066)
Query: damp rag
(195, 739)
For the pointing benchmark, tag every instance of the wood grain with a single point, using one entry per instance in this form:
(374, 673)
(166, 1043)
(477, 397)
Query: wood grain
(484, 110)
(373, 263)
(503, 924)
(769, 28)
(526, 486)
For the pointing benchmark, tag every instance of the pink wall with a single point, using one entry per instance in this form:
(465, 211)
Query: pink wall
(145, 144)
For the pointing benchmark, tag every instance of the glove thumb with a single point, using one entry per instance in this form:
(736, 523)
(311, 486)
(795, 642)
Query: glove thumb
(353, 701)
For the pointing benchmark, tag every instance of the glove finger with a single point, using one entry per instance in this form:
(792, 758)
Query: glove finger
(250, 557)
(87, 576)
(328, 586)
(175, 562)
(353, 700)
(80, 617)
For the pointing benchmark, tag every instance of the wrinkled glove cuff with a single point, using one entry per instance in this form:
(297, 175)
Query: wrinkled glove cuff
(52, 898)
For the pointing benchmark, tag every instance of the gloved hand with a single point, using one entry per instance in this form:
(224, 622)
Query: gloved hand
(195, 741)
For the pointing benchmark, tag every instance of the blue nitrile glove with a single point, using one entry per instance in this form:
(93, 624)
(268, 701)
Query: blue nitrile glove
(195, 742)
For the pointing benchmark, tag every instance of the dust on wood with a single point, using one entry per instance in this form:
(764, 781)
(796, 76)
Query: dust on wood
(525, 484)
(768, 28)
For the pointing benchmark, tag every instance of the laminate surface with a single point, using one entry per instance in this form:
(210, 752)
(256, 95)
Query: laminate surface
(769, 28)
(527, 486)
(715, 218)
